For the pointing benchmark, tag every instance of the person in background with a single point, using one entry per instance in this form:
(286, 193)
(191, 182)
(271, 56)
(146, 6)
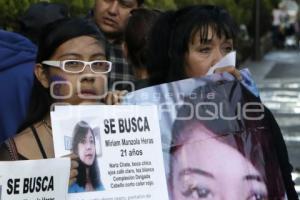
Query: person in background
(111, 17)
(83, 145)
(136, 43)
(277, 35)
(38, 15)
(17, 58)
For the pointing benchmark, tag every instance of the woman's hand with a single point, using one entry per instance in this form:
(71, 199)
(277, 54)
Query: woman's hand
(232, 70)
(114, 97)
(74, 166)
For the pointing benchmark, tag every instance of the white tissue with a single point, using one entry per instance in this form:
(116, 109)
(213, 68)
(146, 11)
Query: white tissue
(228, 60)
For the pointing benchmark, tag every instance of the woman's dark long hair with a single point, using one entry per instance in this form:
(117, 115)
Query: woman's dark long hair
(80, 131)
(52, 37)
(174, 30)
(136, 35)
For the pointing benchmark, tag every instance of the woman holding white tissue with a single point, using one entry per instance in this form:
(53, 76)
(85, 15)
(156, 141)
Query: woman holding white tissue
(186, 43)
(192, 40)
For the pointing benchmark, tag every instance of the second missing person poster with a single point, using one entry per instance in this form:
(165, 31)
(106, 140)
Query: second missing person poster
(34, 179)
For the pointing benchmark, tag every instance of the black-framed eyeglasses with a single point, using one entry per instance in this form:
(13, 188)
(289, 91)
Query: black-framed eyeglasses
(77, 66)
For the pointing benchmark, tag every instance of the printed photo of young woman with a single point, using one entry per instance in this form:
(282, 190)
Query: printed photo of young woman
(83, 145)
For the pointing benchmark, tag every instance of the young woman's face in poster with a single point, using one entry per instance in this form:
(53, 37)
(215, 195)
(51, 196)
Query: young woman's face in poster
(205, 168)
(86, 149)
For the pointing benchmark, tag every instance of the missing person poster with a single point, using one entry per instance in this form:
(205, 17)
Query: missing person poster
(34, 179)
(118, 150)
(219, 141)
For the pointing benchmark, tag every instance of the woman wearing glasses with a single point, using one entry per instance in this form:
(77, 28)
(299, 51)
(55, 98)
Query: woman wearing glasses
(71, 69)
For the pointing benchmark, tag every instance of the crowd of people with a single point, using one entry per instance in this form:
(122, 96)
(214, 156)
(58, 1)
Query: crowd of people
(119, 46)
(286, 25)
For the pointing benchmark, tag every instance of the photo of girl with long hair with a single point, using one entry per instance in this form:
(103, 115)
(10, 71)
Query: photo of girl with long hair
(83, 145)
(222, 159)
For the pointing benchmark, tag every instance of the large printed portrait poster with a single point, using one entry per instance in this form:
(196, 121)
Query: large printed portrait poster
(118, 151)
(216, 142)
